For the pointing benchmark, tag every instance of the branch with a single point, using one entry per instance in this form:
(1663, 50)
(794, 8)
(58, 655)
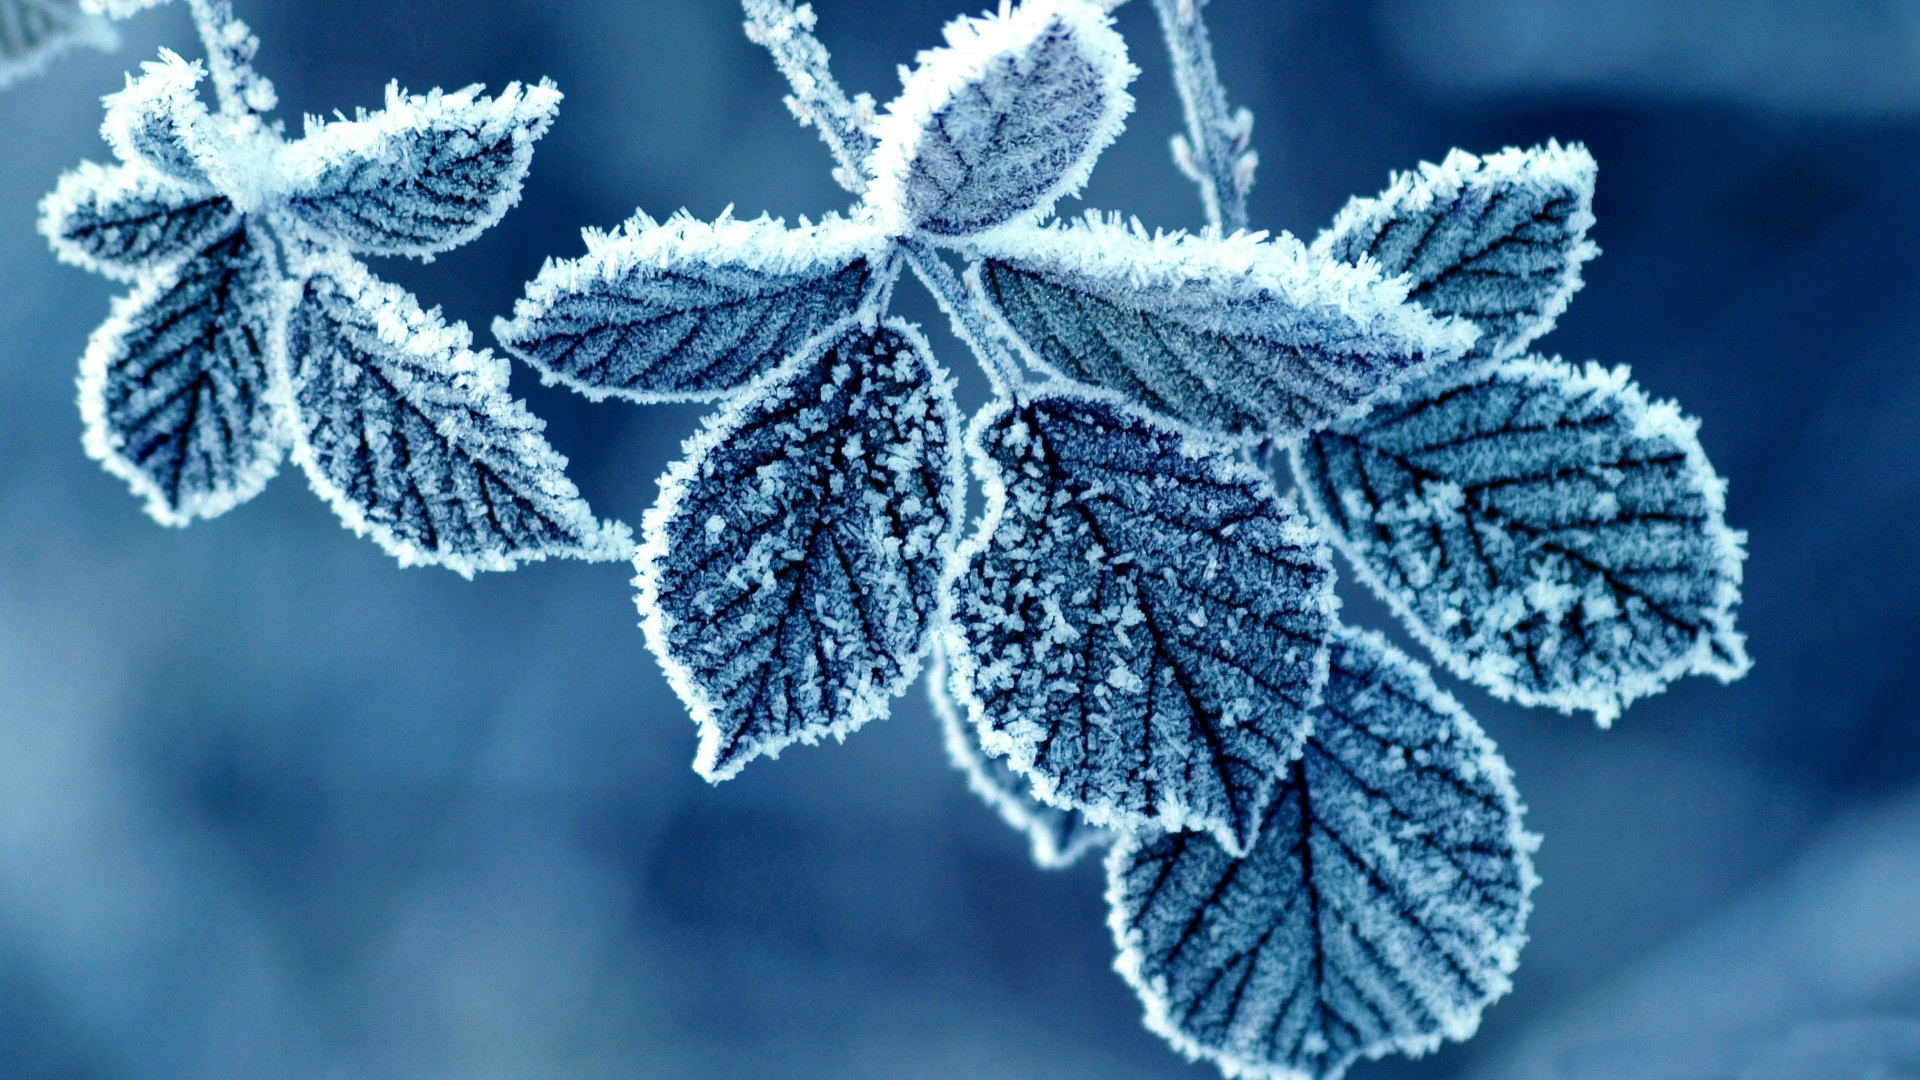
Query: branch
(1214, 153)
(230, 47)
(786, 30)
(970, 324)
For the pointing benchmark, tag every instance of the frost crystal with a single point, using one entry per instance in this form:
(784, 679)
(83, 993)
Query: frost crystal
(1058, 836)
(34, 31)
(235, 242)
(1245, 335)
(791, 573)
(994, 128)
(1141, 625)
(688, 311)
(414, 439)
(1547, 532)
(1498, 240)
(1382, 908)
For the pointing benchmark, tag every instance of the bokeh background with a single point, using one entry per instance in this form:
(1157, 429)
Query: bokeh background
(272, 807)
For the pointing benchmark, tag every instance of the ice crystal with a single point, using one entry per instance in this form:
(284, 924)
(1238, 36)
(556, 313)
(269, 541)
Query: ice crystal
(1380, 911)
(250, 330)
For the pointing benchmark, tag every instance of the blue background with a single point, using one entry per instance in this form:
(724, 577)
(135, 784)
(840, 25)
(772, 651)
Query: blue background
(271, 807)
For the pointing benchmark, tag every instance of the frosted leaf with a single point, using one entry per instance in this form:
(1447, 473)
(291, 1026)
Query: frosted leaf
(122, 220)
(1242, 335)
(1549, 533)
(1140, 626)
(997, 126)
(1382, 909)
(688, 311)
(414, 439)
(425, 174)
(159, 120)
(174, 385)
(1057, 836)
(791, 571)
(1499, 240)
(34, 31)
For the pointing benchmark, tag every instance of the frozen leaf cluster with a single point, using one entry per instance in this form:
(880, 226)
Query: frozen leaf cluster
(252, 333)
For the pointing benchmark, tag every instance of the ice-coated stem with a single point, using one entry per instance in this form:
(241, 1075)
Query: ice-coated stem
(230, 46)
(1214, 153)
(970, 324)
(785, 29)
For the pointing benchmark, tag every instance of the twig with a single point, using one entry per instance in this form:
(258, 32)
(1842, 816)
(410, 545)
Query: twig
(1215, 153)
(230, 47)
(970, 324)
(785, 29)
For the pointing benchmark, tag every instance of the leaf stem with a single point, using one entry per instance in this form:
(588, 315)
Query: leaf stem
(1215, 153)
(230, 48)
(785, 29)
(970, 324)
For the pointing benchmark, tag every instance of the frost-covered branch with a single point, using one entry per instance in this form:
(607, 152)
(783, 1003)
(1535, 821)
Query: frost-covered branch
(230, 51)
(1214, 153)
(785, 29)
(970, 323)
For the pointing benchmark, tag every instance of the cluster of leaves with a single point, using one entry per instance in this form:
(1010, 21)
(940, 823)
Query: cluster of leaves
(1316, 853)
(253, 332)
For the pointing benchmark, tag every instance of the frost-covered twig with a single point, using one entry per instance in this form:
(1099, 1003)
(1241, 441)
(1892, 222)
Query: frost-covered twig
(1214, 153)
(231, 47)
(785, 29)
(970, 324)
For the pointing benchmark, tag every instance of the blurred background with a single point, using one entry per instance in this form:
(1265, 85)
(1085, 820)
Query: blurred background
(272, 807)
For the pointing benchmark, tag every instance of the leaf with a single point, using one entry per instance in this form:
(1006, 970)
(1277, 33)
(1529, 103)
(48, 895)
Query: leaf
(1242, 336)
(1548, 533)
(791, 571)
(996, 127)
(174, 386)
(1498, 240)
(414, 439)
(159, 120)
(1140, 626)
(424, 175)
(1058, 836)
(688, 311)
(34, 31)
(1382, 909)
(124, 220)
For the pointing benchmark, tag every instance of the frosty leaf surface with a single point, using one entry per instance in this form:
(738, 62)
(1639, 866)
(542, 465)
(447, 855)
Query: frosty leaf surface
(426, 174)
(160, 121)
(1008, 117)
(689, 310)
(174, 386)
(1140, 627)
(415, 440)
(122, 220)
(1548, 532)
(1239, 336)
(1382, 909)
(1497, 240)
(790, 576)
(119, 9)
(1057, 836)
(34, 31)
